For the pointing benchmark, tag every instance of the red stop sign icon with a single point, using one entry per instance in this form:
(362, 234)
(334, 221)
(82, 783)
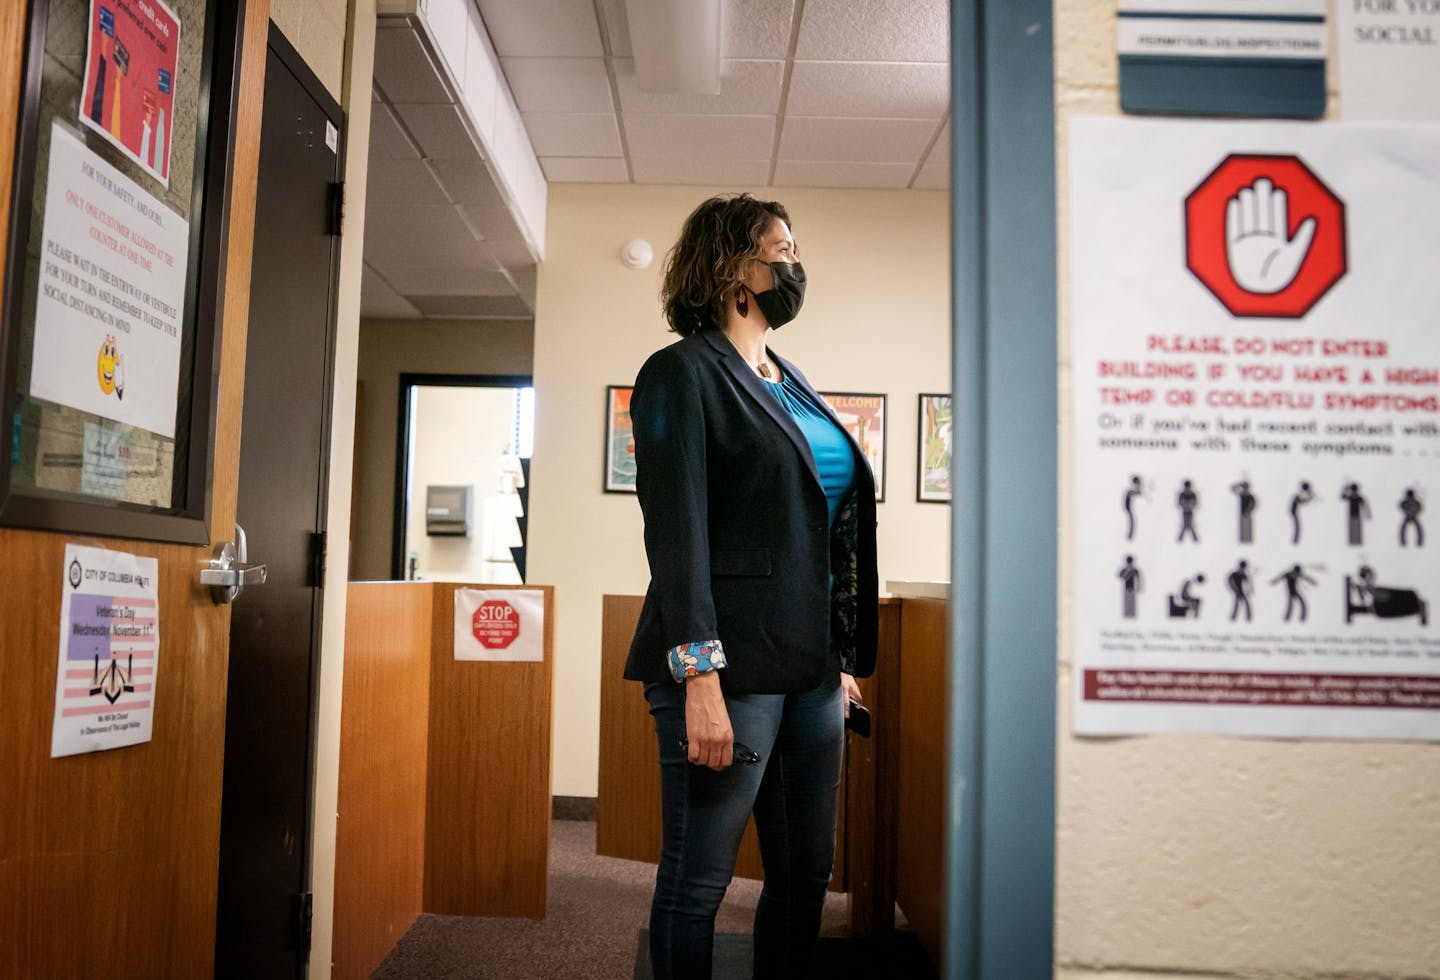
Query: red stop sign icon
(1265, 235)
(495, 624)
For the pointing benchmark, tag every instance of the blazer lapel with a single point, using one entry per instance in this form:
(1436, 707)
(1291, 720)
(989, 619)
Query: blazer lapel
(742, 373)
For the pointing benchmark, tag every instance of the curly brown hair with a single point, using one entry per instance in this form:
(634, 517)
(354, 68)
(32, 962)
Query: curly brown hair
(702, 268)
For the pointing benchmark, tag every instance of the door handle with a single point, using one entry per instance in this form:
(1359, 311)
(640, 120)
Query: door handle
(229, 571)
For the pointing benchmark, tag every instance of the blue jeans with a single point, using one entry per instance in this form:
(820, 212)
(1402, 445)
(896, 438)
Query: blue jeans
(793, 792)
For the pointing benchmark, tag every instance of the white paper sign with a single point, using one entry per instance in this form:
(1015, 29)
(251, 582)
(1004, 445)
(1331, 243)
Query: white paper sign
(1256, 428)
(1389, 59)
(109, 651)
(112, 293)
(493, 624)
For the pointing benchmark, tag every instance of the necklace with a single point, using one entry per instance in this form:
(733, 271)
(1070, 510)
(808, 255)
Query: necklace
(764, 370)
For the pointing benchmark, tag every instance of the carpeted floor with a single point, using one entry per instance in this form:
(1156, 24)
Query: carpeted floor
(597, 909)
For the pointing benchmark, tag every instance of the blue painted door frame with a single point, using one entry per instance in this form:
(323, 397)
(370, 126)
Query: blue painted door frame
(1000, 830)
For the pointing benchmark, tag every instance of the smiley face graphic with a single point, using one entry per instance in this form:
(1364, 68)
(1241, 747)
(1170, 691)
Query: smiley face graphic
(105, 366)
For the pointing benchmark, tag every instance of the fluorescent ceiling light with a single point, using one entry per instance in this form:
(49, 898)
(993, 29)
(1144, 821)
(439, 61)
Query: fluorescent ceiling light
(676, 45)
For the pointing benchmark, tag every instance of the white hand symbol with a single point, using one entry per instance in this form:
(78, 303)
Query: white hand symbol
(1257, 220)
(120, 377)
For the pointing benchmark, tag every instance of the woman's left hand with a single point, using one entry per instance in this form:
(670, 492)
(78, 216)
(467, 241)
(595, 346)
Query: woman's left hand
(850, 691)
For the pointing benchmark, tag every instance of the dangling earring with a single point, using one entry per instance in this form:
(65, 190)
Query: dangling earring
(742, 304)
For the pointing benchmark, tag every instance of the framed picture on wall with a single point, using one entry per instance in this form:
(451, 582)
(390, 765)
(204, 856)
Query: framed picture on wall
(109, 321)
(933, 465)
(619, 441)
(864, 418)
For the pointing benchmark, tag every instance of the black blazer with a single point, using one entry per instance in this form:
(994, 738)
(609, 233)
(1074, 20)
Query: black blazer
(737, 528)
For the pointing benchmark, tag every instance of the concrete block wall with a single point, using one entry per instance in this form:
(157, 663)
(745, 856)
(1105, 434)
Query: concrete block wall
(1225, 857)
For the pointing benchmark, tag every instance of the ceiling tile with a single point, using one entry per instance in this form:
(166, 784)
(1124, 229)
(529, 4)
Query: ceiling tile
(559, 84)
(388, 141)
(393, 250)
(756, 28)
(542, 28)
(839, 139)
(698, 168)
(440, 131)
(617, 27)
(935, 173)
(430, 280)
(806, 173)
(874, 30)
(715, 137)
(439, 222)
(933, 176)
(876, 89)
(403, 70)
(746, 88)
(507, 307)
(377, 299)
(592, 170)
(748, 28)
(573, 134)
(468, 182)
(402, 182)
(496, 223)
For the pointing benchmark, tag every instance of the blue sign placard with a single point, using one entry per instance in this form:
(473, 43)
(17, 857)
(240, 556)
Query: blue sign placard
(163, 84)
(107, 22)
(1223, 57)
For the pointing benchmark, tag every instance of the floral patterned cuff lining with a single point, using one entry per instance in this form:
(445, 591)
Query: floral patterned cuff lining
(689, 659)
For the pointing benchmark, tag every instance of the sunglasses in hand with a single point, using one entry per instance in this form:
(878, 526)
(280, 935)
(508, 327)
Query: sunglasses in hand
(740, 753)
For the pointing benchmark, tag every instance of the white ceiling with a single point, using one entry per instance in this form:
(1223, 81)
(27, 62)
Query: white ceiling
(814, 93)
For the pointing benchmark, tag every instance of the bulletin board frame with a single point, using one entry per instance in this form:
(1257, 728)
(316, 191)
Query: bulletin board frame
(184, 515)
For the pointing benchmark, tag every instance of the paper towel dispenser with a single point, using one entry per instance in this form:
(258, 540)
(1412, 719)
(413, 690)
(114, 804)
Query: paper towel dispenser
(447, 511)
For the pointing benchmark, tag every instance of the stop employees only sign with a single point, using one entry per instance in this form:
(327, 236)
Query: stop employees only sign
(494, 624)
(1265, 235)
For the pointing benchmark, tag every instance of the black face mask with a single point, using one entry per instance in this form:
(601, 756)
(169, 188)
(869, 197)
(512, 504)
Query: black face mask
(781, 304)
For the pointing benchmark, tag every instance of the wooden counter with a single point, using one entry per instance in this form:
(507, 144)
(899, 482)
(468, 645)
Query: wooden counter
(628, 810)
(444, 796)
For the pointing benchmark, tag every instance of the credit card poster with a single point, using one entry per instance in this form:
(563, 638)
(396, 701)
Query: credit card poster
(128, 96)
(1256, 424)
(109, 651)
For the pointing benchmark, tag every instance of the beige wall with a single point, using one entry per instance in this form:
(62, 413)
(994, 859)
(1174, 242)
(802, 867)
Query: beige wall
(389, 348)
(1183, 856)
(344, 62)
(876, 319)
(316, 28)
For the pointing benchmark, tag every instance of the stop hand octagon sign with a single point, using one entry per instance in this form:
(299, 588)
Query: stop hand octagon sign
(1265, 235)
(495, 624)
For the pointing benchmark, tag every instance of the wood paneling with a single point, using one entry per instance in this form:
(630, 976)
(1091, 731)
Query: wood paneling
(384, 729)
(488, 794)
(920, 857)
(871, 773)
(627, 820)
(108, 860)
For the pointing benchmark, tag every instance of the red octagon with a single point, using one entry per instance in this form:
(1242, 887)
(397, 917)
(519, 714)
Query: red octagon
(1208, 239)
(495, 624)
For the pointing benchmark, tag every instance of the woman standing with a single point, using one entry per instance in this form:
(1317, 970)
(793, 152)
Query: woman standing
(760, 533)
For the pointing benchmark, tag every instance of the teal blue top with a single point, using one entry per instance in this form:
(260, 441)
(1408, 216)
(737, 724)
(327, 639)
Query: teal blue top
(829, 444)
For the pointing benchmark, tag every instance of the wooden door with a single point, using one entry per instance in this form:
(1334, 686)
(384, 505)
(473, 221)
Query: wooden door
(108, 860)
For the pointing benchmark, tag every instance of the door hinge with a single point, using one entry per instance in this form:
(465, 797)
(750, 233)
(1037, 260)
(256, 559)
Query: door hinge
(304, 915)
(317, 559)
(337, 209)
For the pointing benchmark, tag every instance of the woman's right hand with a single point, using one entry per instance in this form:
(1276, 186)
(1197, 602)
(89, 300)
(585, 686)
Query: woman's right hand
(707, 722)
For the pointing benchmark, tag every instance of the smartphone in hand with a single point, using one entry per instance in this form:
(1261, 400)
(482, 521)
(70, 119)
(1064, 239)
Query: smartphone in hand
(858, 720)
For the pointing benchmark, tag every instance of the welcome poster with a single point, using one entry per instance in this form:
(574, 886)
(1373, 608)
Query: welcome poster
(128, 96)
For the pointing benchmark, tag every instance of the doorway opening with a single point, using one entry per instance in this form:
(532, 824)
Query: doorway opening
(462, 478)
